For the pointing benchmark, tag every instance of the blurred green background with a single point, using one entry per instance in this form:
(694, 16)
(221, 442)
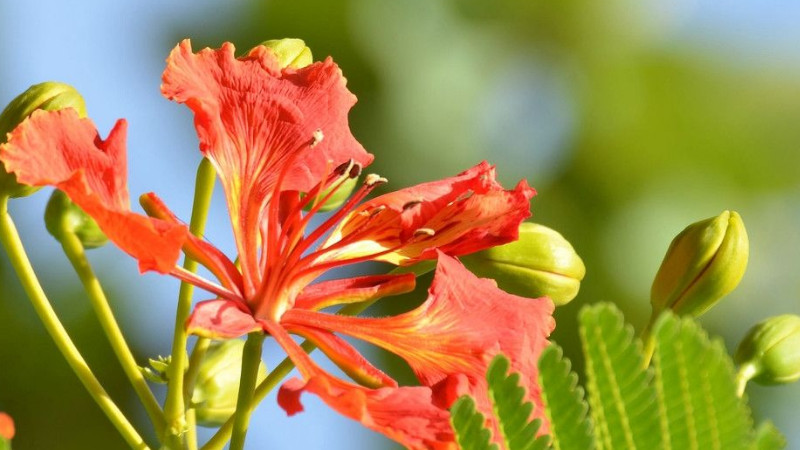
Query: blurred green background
(632, 120)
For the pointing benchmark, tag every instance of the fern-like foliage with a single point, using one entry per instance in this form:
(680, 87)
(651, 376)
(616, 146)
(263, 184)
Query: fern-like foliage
(768, 437)
(567, 410)
(511, 412)
(470, 425)
(686, 400)
(621, 397)
(694, 376)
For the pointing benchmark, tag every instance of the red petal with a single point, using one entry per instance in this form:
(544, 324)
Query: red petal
(405, 414)
(221, 319)
(61, 150)
(346, 357)
(458, 215)
(353, 290)
(409, 415)
(464, 323)
(256, 123)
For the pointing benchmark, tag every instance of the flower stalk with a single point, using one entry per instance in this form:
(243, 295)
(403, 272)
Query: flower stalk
(75, 252)
(174, 407)
(19, 260)
(251, 359)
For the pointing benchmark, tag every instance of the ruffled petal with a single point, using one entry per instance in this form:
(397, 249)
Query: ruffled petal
(405, 414)
(258, 124)
(462, 325)
(409, 415)
(60, 149)
(458, 215)
(221, 319)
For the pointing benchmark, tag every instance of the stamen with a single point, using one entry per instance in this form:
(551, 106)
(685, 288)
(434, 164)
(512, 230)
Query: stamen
(196, 280)
(359, 195)
(307, 266)
(374, 179)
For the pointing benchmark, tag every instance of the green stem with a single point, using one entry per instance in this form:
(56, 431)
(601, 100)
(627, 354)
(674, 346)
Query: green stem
(195, 361)
(251, 359)
(648, 340)
(19, 260)
(174, 406)
(217, 442)
(191, 433)
(746, 373)
(75, 252)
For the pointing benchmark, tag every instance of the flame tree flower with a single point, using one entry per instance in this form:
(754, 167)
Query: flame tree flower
(279, 139)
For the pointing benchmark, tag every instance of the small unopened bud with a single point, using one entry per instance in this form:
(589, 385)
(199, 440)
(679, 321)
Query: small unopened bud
(291, 53)
(541, 263)
(217, 386)
(49, 96)
(771, 350)
(338, 197)
(704, 263)
(158, 370)
(62, 216)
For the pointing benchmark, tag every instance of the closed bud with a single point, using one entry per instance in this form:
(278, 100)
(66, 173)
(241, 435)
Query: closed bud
(337, 197)
(771, 350)
(49, 96)
(217, 386)
(541, 263)
(6, 430)
(704, 263)
(291, 53)
(62, 216)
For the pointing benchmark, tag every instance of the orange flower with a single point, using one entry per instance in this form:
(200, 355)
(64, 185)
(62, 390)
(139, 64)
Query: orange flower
(280, 142)
(6, 426)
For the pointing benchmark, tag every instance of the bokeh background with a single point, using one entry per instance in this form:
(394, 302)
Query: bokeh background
(632, 119)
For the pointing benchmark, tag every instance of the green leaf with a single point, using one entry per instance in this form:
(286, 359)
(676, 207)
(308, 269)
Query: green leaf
(622, 401)
(512, 411)
(695, 380)
(566, 408)
(468, 425)
(768, 437)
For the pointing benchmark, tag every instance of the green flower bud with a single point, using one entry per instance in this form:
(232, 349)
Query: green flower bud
(62, 216)
(291, 53)
(157, 372)
(771, 350)
(49, 96)
(540, 263)
(338, 198)
(217, 386)
(704, 263)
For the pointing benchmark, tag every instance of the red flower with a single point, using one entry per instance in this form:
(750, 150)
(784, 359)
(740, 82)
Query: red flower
(6, 426)
(278, 138)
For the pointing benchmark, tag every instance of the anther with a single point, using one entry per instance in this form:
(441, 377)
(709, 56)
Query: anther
(316, 137)
(424, 232)
(373, 179)
(411, 204)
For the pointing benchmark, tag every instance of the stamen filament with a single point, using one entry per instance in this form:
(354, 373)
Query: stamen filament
(196, 280)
